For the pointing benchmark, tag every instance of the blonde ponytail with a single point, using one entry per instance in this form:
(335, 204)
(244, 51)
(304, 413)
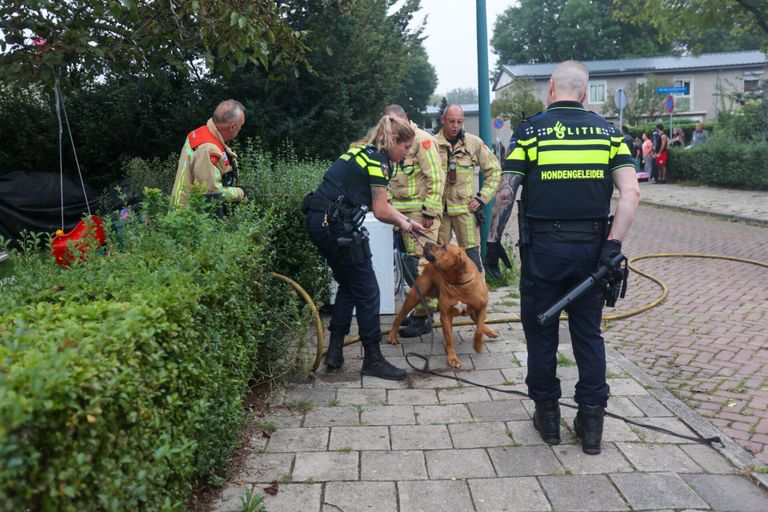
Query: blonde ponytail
(387, 133)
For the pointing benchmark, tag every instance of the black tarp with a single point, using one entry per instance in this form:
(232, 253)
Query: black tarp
(31, 200)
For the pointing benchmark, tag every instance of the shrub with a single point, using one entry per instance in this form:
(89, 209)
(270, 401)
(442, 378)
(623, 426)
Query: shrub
(123, 376)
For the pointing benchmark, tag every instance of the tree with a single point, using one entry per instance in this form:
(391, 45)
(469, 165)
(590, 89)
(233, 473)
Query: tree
(91, 38)
(557, 30)
(642, 101)
(702, 25)
(417, 83)
(517, 100)
(462, 95)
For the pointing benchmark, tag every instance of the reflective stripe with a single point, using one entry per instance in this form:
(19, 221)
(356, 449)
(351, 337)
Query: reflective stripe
(573, 156)
(526, 142)
(435, 200)
(458, 208)
(533, 153)
(517, 153)
(469, 222)
(575, 142)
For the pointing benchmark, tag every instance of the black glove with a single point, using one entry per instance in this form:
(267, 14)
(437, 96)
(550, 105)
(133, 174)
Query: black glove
(480, 216)
(608, 255)
(493, 252)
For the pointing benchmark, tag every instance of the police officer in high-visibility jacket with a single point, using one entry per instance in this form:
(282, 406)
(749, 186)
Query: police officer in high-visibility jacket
(570, 160)
(460, 154)
(206, 160)
(416, 189)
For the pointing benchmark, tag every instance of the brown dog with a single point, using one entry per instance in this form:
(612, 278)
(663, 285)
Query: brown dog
(460, 290)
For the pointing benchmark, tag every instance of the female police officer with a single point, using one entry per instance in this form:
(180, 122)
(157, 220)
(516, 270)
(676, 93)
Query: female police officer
(355, 183)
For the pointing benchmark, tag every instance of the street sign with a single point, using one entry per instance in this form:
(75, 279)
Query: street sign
(670, 104)
(498, 123)
(620, 99)
(672, 90)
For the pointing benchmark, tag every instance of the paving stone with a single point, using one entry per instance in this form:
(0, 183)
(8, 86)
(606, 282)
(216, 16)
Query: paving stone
(484, 377)
(479, 435)
(617, 430)
(657, 490)
(230, 499)
(708, 458)
(282, 419)
(623, 406)
(294, 497)
(345, 379)
(393, 465)
(426, 381)
(318, 396)
(515, 374)
(625, 387)
(658, 457)
(453, 464)
(582, 493)
(729, 493)
(377, 383)
(331, 417)
(265, 467)
(577, 462)
(361, 397)
(433, 414)
(522, 494)
(495, 361)
(420, 437)
(325, 466)
(312, 439)
(412, 397)
(359, 438)
(517, 392)
(524, 433)
(387, 415)
(463, 395)
(360, 497)
(524, 461)
(673, 424)
(650, 406)
(435, 496)
(498, 410)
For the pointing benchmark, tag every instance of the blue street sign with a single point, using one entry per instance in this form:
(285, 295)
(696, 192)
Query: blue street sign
(498, 123)
(672, 90)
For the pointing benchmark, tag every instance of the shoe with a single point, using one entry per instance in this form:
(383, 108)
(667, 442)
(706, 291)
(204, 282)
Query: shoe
(334, 357)
(546, 419)
(374, 364)
(588, 425)
(417, 326)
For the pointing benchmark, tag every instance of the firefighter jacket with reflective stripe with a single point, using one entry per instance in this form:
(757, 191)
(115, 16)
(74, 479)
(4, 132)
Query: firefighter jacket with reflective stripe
(417, 182)
(566, 155)
(353, 174)
(468, 152)
(203, 160)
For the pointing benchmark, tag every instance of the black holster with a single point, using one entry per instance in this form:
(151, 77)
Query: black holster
(522, 225)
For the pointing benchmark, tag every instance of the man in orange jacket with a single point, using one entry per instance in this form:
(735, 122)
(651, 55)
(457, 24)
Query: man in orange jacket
(206, 160)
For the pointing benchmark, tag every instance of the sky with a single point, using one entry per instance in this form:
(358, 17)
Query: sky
(451, 41)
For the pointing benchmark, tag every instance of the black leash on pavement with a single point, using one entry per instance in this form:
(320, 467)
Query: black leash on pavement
(426, 370)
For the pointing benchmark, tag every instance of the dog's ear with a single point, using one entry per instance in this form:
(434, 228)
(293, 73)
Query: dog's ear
(461, 261)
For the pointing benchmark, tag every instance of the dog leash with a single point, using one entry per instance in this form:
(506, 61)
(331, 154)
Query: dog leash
(426, 370)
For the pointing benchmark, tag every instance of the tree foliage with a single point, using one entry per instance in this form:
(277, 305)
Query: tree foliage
(462, 95)
(702, 25)
(557, 30)
(90, 38)
(642, 100)
(517, 101)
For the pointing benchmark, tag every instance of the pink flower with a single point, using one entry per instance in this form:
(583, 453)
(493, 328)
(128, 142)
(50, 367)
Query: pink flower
(38, 41)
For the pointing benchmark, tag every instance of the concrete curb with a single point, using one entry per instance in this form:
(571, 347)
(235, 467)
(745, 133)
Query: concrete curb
(710, 213)
(741, 458)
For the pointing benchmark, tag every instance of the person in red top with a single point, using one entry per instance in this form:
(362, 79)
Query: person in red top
(661, 157)
(206, 160)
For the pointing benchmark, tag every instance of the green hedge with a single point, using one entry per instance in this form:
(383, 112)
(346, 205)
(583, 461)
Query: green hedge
(122, 378)
(722, 161)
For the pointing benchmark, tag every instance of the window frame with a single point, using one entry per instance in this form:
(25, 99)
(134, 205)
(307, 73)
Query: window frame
(682, 79)
(597, 83)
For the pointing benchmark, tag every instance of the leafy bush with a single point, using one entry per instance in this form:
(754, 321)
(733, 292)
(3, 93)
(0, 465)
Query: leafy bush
(722, 161)
(123, 377)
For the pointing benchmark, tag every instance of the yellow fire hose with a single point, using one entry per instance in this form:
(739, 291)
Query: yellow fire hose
(516, 318)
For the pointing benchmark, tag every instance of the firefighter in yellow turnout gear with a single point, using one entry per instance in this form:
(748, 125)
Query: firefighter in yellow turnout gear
(416, 189)
(460, 154)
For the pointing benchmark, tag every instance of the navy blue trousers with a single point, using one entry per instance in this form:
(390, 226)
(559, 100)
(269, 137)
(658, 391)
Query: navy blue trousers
(358, 287)
(552, 265)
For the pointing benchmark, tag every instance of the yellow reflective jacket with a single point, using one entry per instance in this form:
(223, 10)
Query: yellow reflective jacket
(468, 153)
(203, 164)
(417, 183)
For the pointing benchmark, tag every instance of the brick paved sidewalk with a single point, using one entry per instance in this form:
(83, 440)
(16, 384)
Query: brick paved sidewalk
(351, 443)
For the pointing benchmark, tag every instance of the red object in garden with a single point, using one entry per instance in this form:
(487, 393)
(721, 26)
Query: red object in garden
(88, 228)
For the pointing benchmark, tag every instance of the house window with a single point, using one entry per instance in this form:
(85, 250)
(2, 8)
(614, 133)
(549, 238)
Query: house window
(597, 92)
(751, 81)
(684, 102)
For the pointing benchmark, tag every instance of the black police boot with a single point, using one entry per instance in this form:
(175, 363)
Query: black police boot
(546, 419)
(375, 365)
(589, 427)
(334, 358)
(474, 255)
(417, 326)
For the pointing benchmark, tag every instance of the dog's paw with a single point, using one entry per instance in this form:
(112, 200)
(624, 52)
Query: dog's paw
(454, 361)
(491, 332)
